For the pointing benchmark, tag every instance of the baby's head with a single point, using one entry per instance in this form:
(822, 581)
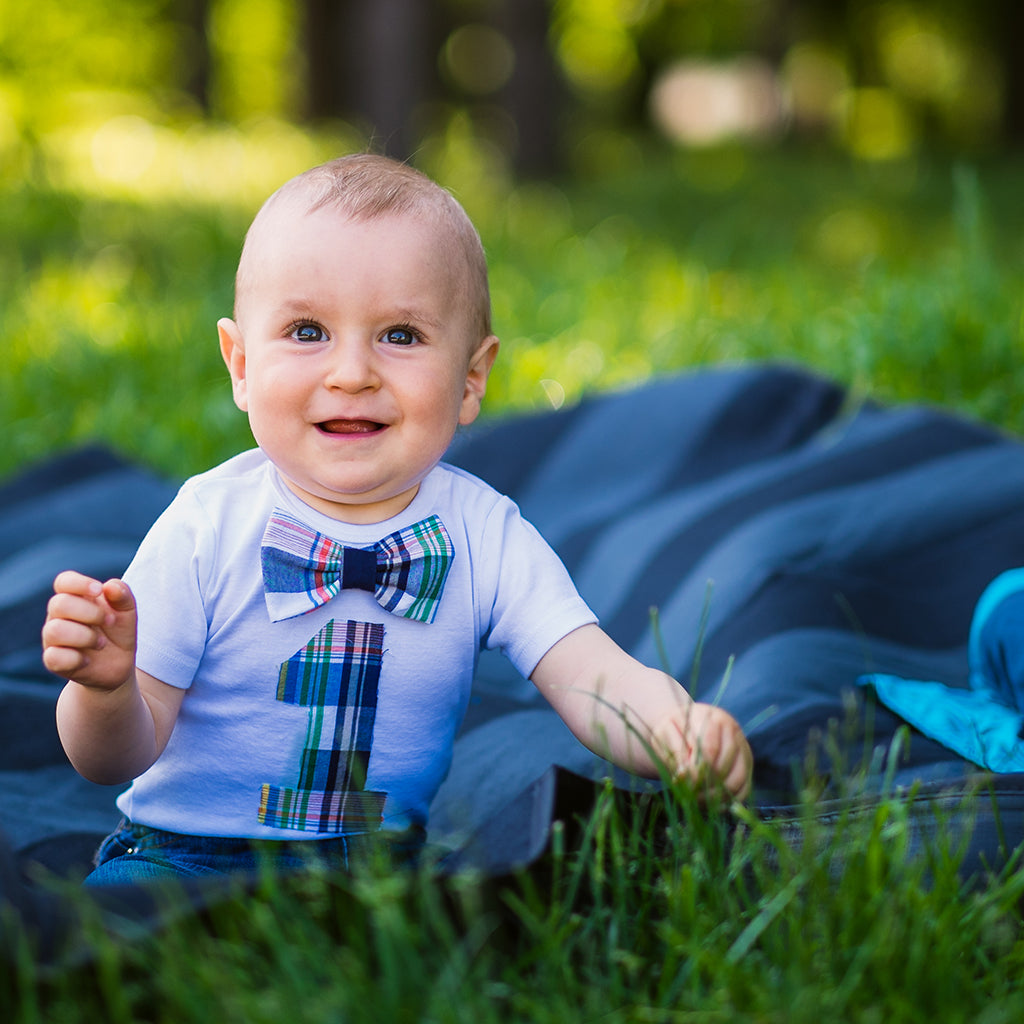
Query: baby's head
(361, 338)
(363, 187)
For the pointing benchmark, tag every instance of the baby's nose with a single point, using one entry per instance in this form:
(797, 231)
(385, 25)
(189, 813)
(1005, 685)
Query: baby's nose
(351, 367)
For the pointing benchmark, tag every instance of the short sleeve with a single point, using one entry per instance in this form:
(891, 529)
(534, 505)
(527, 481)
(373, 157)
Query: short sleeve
(536, 603)
(165, 578)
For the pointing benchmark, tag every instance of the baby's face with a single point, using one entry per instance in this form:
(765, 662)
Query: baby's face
(356, 356)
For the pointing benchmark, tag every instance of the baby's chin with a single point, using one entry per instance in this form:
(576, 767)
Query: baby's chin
(355, 508)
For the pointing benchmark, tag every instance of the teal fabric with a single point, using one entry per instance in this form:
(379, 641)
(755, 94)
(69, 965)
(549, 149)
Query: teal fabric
(982, 722)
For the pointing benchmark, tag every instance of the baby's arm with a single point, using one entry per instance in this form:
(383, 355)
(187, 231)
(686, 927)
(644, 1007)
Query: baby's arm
(624, 710)
(114, 720)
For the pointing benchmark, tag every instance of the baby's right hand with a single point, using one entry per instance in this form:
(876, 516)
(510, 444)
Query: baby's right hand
(90, 631)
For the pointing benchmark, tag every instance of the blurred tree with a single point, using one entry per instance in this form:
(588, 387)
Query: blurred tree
(531, 92)
(1003, 24)
(373, 63)
(325, 76)
(534, 95)
(194, 61)
(377, 65)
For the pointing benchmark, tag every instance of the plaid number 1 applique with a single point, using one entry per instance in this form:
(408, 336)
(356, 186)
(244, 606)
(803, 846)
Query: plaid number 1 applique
(336, 675)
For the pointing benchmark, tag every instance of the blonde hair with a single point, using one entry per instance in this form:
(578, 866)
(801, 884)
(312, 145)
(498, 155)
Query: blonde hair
(365, 186)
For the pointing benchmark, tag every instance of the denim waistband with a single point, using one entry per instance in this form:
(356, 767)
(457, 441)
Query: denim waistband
(403, 844)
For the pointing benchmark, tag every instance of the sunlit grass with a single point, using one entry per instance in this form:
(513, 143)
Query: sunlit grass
(130, 157)
(907, 291)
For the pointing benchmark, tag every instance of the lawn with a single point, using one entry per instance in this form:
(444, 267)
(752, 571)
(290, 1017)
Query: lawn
(902, 282)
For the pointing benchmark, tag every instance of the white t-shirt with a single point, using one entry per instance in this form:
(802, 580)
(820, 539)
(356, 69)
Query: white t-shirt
(234, 764)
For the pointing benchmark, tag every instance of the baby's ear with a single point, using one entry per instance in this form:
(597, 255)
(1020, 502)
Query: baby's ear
(480, 365)
(232, 348)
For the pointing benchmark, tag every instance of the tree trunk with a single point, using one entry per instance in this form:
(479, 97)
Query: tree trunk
(195, 61)
(533, 96)
(1006, 35)
(372, 63)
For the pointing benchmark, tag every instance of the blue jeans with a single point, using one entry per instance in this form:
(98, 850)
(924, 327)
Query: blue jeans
(134, 854)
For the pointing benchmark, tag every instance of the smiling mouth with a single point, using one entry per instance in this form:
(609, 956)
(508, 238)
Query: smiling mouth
(350, 427)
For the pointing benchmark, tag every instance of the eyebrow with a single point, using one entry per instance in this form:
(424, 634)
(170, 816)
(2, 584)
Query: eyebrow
(294, 307)
(410, 314)
(303, 306)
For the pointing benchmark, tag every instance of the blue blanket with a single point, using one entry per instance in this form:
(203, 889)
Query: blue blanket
(790, 542)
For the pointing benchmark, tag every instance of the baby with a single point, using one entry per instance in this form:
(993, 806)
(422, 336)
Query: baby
(290, 653)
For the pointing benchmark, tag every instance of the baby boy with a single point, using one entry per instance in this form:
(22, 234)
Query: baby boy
(290, 653)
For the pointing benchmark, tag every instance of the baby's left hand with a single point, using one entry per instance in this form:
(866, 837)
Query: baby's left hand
(704, 743)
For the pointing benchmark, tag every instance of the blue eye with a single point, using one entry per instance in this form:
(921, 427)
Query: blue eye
(308, 332)
(400, 336)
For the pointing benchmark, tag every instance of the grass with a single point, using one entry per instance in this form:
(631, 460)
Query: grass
(659, 911)
(902, 282)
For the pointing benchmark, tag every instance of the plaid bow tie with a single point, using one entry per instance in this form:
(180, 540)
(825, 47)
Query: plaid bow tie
(303, 569)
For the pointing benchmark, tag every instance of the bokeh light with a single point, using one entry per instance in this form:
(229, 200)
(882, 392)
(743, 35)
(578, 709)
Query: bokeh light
(703, 103)
(478, 59)
(814, 79)
(876, 124)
